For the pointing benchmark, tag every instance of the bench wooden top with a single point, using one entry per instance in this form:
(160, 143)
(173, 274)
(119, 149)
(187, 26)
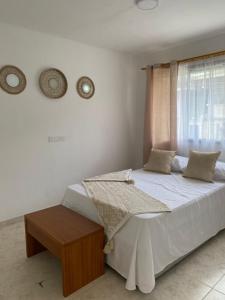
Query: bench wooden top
(62, 224)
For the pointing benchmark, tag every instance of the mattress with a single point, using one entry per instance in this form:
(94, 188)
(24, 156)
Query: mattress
(148, 243)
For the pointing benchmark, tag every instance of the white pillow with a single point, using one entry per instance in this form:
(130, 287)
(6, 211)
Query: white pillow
(180, 163)
(219, 171)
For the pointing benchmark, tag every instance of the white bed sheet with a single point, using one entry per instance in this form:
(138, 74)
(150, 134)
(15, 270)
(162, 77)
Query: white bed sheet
(148, 243)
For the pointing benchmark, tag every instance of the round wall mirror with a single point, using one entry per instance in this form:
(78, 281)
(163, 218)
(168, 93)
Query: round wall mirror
(85, 87)
(53, 83)
(12, 80)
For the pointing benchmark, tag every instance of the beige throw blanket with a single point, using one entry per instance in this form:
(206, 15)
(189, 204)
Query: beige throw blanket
(116, 200)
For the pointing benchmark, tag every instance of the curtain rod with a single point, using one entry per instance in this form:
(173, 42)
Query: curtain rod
(205, 56)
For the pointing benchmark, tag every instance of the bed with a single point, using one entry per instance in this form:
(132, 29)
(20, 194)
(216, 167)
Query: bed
(148, 243)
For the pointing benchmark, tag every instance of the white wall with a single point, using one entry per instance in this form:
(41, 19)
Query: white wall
(99, 133)
(176, 53)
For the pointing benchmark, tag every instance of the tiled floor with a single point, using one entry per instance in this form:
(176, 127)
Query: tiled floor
(200, 276)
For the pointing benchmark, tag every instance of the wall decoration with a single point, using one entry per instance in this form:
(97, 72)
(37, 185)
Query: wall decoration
(85, 87)
(53, 83)
(12, 79)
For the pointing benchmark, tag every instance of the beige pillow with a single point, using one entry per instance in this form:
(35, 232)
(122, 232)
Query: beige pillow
(201, 165)
(160, 161)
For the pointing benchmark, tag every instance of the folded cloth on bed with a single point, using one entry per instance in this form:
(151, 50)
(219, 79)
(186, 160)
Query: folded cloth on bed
(116, 201)
(121, 176)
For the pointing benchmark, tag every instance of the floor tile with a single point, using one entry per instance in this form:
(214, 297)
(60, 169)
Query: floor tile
(214, 295)
(206, 264)
(220, 286)
(176, 286)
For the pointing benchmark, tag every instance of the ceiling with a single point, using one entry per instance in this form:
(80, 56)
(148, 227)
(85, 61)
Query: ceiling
(118, 24)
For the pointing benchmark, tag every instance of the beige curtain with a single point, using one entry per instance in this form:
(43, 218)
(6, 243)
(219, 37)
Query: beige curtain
(161, 109)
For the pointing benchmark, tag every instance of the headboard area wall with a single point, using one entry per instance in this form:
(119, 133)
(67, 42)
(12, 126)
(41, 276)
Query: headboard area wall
(47, 144)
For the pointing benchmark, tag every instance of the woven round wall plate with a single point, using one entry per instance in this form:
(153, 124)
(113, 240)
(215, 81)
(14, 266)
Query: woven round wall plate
(85, 87)
(12, 80)
(53, 83)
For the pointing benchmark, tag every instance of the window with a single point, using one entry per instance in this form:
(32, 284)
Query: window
(201, 106)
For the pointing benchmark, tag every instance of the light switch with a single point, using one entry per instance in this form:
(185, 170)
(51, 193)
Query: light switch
(56, 139)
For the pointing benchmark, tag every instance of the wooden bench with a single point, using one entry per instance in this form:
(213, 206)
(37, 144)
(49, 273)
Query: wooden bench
(77, 241)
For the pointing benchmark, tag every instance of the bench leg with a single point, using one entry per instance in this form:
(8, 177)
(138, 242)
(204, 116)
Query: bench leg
(33, 246)
(82, 262)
